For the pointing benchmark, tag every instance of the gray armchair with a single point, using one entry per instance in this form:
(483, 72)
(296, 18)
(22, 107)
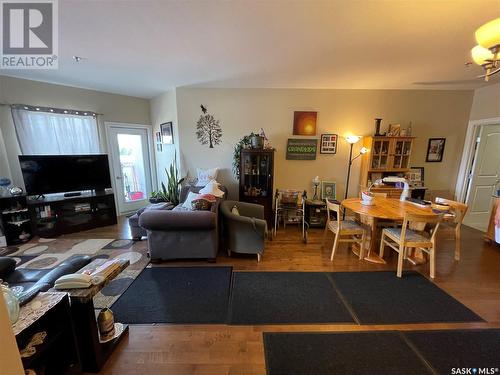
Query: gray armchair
(246, 232)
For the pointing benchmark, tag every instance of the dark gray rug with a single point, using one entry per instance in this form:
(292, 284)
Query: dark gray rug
(384, 353)
(188, 295)
(285, 298)
(383, 298)
(477, 349)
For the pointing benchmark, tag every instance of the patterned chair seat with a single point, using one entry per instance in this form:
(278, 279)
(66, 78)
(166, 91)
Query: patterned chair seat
(346, 225)
(411, 236)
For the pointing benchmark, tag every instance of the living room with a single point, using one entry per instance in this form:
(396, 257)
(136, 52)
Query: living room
(201, 180)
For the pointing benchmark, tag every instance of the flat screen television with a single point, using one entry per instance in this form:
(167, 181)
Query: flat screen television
(45, 174)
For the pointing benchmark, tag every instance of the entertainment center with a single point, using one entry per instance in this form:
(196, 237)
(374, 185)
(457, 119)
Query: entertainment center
(64, 194)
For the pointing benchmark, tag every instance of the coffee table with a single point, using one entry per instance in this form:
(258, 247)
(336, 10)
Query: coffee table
(93, 353)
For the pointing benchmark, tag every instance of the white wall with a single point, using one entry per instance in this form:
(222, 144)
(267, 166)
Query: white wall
(164, 109)
(115, 108)
(241, 111)
(486, 102)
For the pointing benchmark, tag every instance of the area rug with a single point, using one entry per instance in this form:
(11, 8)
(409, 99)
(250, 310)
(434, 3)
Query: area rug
(383, 298)
(285, 298)
(384, 352)
(185, 295)
(46, 253)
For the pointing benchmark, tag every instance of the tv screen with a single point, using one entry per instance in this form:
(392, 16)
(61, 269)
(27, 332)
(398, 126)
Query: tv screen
(45, 174)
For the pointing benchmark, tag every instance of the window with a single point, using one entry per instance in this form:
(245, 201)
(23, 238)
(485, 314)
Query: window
(51, 133)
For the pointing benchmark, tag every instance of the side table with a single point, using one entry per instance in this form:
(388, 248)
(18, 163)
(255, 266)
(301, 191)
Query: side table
(316, 213)
(93, 353)
(48, 312)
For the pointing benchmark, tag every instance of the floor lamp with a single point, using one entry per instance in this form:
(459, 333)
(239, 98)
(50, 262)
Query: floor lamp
(352, 139)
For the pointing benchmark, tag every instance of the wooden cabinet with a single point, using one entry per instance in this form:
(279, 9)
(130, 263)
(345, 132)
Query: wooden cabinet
(386, 156)
(256, 179)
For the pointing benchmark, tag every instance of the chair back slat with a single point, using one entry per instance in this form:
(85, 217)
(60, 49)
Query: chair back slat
(335, 207)
(458, 208)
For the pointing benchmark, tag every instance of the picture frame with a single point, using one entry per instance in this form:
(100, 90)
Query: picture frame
(394, 130)
(435, 150)
(304, 123)
(416, 176)
(328, 144)
(167, 133)
(328, 190)
(301, 149)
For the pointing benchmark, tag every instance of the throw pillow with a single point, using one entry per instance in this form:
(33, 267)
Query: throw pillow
(201, 204)
(235, 210)
(212, 188)
(206, 175)
(189, 199)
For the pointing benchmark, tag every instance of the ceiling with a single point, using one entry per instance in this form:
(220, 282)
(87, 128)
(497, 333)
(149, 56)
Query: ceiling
(143, 48)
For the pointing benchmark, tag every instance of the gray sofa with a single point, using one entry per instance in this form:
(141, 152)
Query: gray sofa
(182, 233)
(246, 232)
(136, 230)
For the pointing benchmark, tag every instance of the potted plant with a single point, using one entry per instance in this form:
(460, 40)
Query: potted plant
(245, 142)
(158, 197)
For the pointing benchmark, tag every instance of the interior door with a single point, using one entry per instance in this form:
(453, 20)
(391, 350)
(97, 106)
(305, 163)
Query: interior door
(131, 166)
(485, 172)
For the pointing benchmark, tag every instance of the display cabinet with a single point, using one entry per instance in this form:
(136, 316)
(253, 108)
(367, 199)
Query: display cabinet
(15, 220)
(386, 156)
(256, 179)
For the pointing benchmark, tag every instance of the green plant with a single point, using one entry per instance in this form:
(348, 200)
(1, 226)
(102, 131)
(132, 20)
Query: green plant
(171, 190)
(245, 141)
(159, 195)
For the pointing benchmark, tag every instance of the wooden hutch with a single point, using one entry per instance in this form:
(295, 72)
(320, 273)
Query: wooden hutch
(387, 156)
(256, 179)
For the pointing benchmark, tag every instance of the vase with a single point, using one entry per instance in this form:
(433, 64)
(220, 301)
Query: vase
(378, 121)
(257, 141)
(106, 324)
(12, 303)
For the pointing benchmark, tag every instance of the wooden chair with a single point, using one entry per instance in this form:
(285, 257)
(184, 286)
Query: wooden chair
(400, 239)
(343, 228)
(453, 220)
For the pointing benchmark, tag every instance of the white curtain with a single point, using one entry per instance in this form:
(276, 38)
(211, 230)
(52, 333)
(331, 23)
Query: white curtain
(46, 133)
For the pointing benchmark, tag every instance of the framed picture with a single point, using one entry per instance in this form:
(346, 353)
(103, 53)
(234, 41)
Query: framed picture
(304, 123)
(394, 130)
(301, 149)
(416, 176)
(328, 190)
(435, 150)
(167, 133)
(328, 144)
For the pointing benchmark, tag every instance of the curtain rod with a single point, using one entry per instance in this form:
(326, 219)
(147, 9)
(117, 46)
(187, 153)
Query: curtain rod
(52, 109)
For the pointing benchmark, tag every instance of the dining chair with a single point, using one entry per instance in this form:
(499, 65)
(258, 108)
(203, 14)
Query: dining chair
(342, 228)
(453, 220)
(400, 239)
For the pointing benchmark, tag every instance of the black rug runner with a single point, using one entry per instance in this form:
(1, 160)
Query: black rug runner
(415, 352)
(285, 297)
(383, 298)
(189, 295)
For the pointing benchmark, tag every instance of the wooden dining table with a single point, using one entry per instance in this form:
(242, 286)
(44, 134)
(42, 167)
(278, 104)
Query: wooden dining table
(382, 209)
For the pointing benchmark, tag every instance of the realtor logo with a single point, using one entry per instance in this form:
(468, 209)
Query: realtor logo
(29, 34)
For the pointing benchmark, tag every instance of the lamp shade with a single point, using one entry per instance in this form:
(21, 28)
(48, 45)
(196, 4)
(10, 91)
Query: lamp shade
(363, 150)
(480, 55)
(488, 35)
(352, 138)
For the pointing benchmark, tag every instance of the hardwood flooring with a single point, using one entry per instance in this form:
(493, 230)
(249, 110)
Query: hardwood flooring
(222, 349)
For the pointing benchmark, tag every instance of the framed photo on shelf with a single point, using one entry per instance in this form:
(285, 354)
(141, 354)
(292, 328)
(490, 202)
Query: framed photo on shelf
(416, 176)
(328, 144)
(167, 133)
(328, 190)
(394, 130)
(435, 150)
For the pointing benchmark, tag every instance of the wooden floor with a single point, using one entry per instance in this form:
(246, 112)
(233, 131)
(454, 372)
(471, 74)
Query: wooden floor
(222, 349)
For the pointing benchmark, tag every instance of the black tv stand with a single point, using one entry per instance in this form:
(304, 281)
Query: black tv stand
(73, 194)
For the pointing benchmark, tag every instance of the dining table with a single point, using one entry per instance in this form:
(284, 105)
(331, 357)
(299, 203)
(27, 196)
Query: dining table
(382, 210)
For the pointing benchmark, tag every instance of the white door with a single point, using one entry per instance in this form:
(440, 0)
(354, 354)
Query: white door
(129, 152)
(485, 172)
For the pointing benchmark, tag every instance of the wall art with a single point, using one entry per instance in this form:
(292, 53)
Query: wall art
(208, 129)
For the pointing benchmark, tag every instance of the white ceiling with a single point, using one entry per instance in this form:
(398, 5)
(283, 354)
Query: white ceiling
(143, 48)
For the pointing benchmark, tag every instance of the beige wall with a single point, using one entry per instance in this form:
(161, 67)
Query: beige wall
(116, 108)
(486, 103)
(240, 111)
(164, 109)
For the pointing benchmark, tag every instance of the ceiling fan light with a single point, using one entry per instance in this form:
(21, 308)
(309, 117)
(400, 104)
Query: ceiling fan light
(488, 35)
(480, 55)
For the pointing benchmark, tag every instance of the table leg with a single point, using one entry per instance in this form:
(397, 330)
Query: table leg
(372, 255)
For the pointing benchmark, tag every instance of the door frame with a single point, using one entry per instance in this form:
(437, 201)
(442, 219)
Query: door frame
(468, 155)
(152, 161)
